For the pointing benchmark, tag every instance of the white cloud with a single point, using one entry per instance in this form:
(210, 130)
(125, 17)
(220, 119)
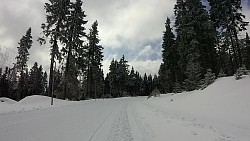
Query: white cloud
(129, 22)
(148, 66)
(246, 12)
(147, 51)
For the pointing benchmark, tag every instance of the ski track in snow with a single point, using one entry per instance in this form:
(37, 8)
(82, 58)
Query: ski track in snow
(121, 130)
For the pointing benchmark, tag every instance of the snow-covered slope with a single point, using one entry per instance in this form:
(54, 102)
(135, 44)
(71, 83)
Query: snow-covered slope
(221, 112)
(225, 105)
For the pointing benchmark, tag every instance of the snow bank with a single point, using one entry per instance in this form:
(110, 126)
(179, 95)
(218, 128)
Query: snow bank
(225, 103)
(5, 100)
(34, 102)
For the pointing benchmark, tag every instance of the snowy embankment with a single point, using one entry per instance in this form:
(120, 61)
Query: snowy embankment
(223, 108)
(221, 112)
(30, 103)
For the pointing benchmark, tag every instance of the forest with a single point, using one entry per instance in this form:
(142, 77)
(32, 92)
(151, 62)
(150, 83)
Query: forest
(198, 46)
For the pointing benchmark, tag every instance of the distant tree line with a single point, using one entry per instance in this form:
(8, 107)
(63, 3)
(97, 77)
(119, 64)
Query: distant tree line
(205, 45)
(121, 81)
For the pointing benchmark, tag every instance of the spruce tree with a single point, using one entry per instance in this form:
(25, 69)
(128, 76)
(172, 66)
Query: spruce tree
(95, 56)
(193, 70)
(202, 29)
(209, 78)
(4, 83)
(248, 51)
(74, 41)
(36, 81)
(228, 17)
(150, 83)
(113, 78)
(146, 89)
(22, 58)
(45, 83)
(169, 68)
(23, 50)
(123, 74)
(138, 84)
(195, 44)
(131, 83)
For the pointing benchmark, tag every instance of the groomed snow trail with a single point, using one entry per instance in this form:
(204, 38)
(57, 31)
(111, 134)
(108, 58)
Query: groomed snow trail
(85, 121)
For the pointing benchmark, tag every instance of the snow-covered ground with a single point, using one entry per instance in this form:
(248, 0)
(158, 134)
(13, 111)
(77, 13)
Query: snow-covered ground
(220, 112)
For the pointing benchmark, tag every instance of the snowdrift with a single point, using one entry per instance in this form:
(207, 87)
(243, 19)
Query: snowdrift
(34, 102)
(5, 100)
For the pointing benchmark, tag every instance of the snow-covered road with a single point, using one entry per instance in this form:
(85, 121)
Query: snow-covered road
(83, 121)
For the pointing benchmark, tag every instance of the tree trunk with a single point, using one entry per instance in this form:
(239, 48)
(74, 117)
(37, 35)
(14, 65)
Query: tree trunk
(238, 47)
(51, 75)
(66, 74)
(233, 48)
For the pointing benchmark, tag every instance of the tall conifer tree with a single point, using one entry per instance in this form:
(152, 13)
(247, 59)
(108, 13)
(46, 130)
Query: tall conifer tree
(95, 56)
(22, 58)
(54, 29)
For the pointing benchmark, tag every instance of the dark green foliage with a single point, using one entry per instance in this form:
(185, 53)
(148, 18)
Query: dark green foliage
(228, 18)
(178, 87)
(145, 86)
(169, 68)
(4, 83)
(23, 50)
(206, 44)
(73, 48)
(119, 77)
(54, 29)
(122, 82)
(164, 79)
(209, 78)
(22, 87)
(131, 82)
(247, 48)
(240, 72)
(21, 65)
(123, 75)
(95, 78)
(57, 85)
(65, 23)
(72, 88)
(193, 70)
(37, 82)
(187, 57)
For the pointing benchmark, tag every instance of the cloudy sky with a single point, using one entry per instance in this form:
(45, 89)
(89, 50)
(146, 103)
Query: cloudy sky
(130, 27)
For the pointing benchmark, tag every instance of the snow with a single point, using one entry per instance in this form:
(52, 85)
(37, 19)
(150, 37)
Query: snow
(5, 100)
(30, 103)
(221, 112)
